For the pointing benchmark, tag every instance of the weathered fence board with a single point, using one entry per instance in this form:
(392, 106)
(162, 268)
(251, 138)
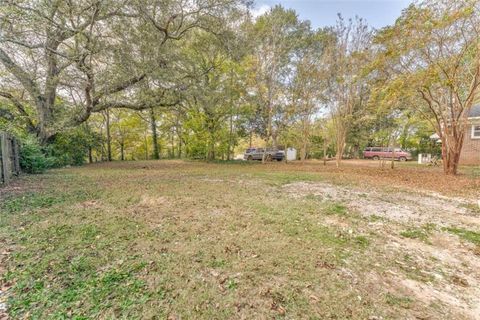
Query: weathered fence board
(9, 158)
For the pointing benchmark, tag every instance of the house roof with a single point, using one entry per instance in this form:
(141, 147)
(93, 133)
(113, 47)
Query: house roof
(475, 111)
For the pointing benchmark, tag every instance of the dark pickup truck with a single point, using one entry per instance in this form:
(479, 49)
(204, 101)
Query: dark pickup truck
(257, 154)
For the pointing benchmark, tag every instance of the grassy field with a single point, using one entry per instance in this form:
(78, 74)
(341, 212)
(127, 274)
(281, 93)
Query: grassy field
(189, 240)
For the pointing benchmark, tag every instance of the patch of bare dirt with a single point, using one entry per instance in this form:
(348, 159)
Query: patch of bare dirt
(90, 204)
(367, 173)
(443, 270)
(399, 206)
(449, 268)
(152, 201)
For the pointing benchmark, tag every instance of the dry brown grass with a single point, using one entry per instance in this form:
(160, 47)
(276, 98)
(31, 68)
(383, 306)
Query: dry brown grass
(190, 240)
(409, 175)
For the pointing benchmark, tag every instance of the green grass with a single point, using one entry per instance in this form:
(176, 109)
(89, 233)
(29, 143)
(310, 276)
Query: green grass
(422, 233)
(395, 300)
(468, 235)
(336, 209)
(130, 242)
(32, 200)
(194, 241)
(279, 178)
(414, 234)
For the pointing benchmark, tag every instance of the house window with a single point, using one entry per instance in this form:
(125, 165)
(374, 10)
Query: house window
(476, 132)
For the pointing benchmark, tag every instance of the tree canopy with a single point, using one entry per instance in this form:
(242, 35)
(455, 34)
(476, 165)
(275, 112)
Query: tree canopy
(133, 79)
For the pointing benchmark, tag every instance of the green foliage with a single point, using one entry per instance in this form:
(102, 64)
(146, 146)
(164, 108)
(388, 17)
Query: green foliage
(71, 147)
(68, 148)
(32, 158)
(273, 78)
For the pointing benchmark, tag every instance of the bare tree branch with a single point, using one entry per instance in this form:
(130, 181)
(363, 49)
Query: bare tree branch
(21, 75)
(133, 106)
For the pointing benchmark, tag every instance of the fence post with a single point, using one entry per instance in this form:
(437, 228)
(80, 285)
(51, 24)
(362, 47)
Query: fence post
(4, 151)
(1, 160)
(16, 154)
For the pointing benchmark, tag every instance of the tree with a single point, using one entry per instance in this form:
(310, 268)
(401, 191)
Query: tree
(308, 85)
(75, 58)
(153, 128)
(129, 131)
(276, 36)
(433, 51)
(348, 86)
(106, 115)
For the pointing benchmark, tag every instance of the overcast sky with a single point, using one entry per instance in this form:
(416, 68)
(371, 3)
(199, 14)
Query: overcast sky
(378, 13)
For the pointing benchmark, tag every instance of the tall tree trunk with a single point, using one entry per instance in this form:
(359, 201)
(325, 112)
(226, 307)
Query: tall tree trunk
(230, 136)
(109, 137)
(90, 157)
(451, 150)
(303, 152)
(268, 133)
(451, 129)
(341, 137)
(145, 142)
(102, 146)
(274, 140)
(179, 136)
(392, 145)
(122, 150)
(324, 152)
(305, 136)
(172, 142)
(211, 145)
(153, 127)
(339, 155)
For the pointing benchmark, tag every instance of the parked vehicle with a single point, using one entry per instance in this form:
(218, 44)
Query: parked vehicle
(377, 153)
(257, 154)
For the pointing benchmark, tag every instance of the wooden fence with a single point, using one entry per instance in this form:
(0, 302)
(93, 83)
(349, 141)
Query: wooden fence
(9, 158)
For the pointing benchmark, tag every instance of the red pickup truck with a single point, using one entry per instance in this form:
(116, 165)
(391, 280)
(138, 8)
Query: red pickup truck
(377, 153)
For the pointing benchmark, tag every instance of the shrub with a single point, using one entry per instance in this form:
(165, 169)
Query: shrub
(71, 146)
(32, 159)
(66, 148)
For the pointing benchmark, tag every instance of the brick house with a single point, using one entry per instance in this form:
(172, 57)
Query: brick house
(471, 144)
